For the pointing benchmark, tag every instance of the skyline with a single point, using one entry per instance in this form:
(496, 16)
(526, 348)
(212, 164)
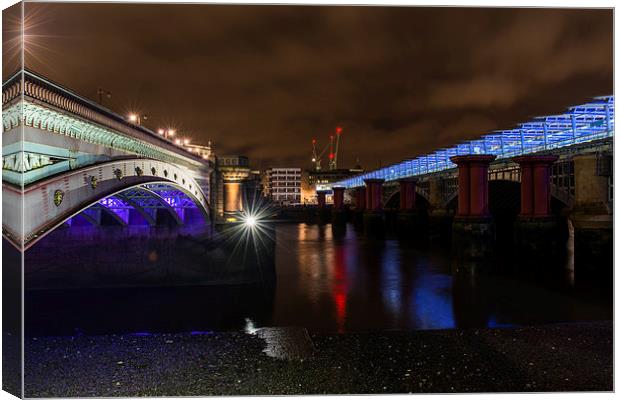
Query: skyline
(398, 89)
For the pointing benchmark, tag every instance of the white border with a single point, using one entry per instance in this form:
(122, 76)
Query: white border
(453, 3)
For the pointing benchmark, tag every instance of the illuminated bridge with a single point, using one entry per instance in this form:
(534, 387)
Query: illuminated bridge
(529, 181)
(578, 125)
(67, 161)
(582, 134)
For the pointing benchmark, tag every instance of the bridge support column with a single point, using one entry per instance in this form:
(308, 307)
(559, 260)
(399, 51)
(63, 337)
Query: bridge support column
(338, 210)
(374, 219)
(408, 218)
(360, 198)
(440, 220)
(473, 231)
(322, 211)
(536, 230)
(592, 215)
(360, 206)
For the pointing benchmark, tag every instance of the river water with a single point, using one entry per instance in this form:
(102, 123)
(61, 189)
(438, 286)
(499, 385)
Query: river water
(331, 284)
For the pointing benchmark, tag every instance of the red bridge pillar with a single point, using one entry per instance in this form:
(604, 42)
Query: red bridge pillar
(374, 194)
(536, 230)
(338, 197)
(360, 206)
(473, 184)
(360, 198)
(407, 194)
(473, 231)
(320, 198)
(535, 185)
(339, 215)
(374, 224)
(408, 223)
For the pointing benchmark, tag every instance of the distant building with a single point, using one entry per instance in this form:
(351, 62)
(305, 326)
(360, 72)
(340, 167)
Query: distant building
(254, 185)
(284, 185)
(321, 180)
(308, 194)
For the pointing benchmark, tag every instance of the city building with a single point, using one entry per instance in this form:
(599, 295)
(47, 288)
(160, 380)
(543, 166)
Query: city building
(284, 185)
(321, 180)
(254, 186)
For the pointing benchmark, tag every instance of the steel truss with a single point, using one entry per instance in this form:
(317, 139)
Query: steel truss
(579, 124)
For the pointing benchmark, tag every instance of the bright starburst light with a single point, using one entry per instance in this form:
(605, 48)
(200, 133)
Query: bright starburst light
(31, 37)
(252, 236)
(250, 221)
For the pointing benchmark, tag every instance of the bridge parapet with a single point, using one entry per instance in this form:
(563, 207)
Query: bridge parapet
(62, 153)
(43, 106)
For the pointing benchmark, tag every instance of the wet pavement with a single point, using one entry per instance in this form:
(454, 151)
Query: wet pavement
(573, 357)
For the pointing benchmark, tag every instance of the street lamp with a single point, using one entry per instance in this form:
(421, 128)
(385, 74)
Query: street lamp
(100, 92)
(166, 132)
(136, 118)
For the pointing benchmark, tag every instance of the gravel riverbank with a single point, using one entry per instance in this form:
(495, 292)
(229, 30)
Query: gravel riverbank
(568, 357)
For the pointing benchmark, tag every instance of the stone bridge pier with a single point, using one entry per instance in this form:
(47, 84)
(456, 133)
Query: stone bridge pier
(322, 210)
(473, 229)
(408, 219)
(374, 218)
(537, 231)
(359, 206)
(339, 215)
(592, 214)
(440, 217)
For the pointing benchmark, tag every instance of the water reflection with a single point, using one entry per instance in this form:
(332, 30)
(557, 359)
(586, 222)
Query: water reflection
(328, 283)
(343, 284)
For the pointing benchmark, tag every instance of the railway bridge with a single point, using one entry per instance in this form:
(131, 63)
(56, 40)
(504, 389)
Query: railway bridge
(549, 168)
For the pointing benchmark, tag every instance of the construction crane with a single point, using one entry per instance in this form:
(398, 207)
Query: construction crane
(333, 146)
(333, 162)
(316, 157)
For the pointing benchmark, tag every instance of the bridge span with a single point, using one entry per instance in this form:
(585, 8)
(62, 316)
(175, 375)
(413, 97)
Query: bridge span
(458, 191)
(69, 161)
(554, 134)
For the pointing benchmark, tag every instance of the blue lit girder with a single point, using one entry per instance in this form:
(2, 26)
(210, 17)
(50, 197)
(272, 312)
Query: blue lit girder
(579, 124)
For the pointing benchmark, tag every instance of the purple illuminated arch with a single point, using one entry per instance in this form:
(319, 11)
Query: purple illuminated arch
(140, 205)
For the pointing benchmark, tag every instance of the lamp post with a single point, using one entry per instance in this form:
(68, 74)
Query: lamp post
(137, 118)
(100, 92)
(166, 133)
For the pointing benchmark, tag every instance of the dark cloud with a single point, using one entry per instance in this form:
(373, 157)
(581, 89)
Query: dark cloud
(265, 80)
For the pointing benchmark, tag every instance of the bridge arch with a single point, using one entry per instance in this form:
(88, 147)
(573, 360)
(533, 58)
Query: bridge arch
(392, 200)
(61, 197)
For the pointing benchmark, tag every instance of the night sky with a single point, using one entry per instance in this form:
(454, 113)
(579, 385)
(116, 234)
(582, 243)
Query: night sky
(264, 80)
